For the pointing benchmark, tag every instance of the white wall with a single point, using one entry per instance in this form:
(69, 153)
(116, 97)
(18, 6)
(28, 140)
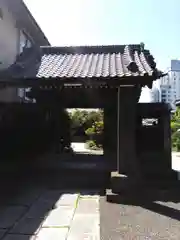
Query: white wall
(9, 38)
(9, 47)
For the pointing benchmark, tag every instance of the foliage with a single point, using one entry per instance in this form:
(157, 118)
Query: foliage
(178, 144)
(85, 119)
(175, 130)
(90, 131)
(91, 123)
(97, 128)
(91, 144)
(78, 118)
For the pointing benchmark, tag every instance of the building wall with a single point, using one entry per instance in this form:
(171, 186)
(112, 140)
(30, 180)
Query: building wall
(9, 38)
(155, 94)
(166, 93)
(175, 78)
(168, 89)
(12, 41)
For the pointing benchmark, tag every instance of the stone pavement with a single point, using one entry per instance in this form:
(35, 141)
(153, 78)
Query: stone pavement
(176, 163)
(81, 148)
(42, 214)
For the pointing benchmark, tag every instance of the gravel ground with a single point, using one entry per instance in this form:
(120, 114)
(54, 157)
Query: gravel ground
(154, 217)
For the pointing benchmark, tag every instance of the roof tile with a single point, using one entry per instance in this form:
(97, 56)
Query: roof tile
(87, 62)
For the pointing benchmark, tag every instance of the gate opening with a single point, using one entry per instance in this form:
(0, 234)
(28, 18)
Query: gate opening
(86, 130)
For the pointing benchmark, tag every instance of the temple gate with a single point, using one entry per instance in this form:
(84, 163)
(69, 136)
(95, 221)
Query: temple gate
(108, 77)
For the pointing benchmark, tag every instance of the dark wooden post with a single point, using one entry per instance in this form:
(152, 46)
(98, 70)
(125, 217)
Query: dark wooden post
(105, 137)
(126, 140)
(110, 129)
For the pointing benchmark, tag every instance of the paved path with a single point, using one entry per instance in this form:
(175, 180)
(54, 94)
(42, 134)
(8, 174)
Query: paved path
(40, 214)
(153, 217)
(176, 163)
(81, 148)
(47, 214)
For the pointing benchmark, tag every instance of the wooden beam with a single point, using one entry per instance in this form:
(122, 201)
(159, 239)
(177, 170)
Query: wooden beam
(70, 82)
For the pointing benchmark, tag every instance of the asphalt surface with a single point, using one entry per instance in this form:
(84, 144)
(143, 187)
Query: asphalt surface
(140, 217)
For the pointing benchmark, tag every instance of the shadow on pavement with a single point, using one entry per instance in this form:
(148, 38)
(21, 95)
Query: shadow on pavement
(165, 202)
(29, 194)
(25, 204)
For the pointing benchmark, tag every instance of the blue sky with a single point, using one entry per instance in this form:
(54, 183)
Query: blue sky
(91, 22)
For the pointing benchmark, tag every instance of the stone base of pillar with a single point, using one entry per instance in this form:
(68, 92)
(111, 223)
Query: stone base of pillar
(124, 184)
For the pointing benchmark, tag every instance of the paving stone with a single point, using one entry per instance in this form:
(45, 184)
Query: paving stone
(10, 214)
(67, 200)
(85, 195)
(87, 206)
(27, 226)
(60, 217)
(19, 237)
(39, 209)
(84, 226)
(52, 234)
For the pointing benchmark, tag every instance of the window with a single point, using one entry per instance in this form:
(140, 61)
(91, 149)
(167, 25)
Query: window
(24, 42)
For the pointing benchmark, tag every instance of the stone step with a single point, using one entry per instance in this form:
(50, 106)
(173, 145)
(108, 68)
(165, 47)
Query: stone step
(120, 183)
(147, 194)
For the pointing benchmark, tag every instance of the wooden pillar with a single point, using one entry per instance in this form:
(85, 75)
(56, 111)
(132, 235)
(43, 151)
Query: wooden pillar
(126, 138)
(110, 129)
(105, 137)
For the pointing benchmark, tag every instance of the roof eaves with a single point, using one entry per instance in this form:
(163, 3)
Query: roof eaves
(87, 49)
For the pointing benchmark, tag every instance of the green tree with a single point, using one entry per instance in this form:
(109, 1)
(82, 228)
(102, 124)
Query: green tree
(85, 118)
(175, 128)
(78, 118)
(93, 118)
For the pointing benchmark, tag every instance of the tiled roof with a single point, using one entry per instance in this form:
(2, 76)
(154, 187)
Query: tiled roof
(86, 62)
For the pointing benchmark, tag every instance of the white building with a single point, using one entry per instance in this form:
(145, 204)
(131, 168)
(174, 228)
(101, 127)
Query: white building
(175, 77)
(155, 94)
(18, 30)
(166, 94)
(170, 84)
